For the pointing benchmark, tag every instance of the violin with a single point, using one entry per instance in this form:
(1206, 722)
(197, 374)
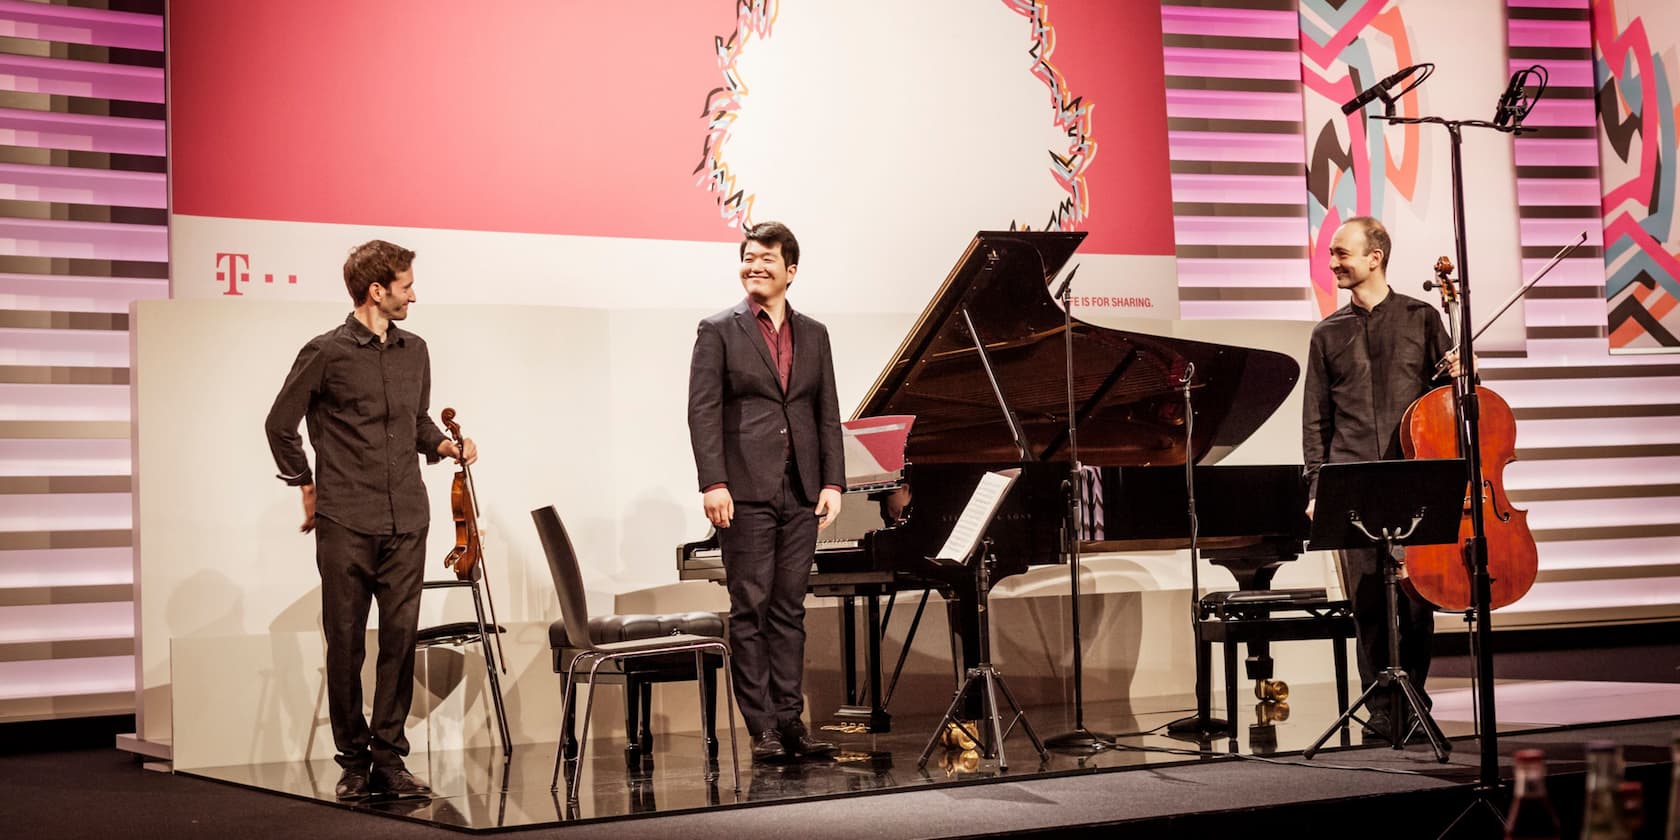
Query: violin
(1431, 428)
(466, 559)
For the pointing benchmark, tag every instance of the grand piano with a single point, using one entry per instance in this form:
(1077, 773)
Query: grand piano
(1129, 403)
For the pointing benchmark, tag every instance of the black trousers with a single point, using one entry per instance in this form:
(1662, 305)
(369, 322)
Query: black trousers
(767, 554)
(356, 568)
(1362, 574)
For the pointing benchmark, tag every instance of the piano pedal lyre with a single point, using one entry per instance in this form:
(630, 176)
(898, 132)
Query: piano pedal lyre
(957, 736)
(955, 761)
(1271, 690)
(1262, 733)
(1268, 713)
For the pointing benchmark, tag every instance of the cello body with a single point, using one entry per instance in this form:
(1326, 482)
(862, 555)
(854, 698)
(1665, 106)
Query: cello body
(1438, 574)
(1441, 574)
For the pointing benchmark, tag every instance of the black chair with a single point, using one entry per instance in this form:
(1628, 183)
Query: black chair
(639, 675)
(614, 649)
(477, 632)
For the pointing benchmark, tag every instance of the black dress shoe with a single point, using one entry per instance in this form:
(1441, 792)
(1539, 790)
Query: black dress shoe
(399, 783)
(1378, 726)
(767, 747)
(353, 784)
(799, 742)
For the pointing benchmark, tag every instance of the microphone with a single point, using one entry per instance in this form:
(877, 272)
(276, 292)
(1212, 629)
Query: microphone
(1511, 100)
(1379, 90)
(1514, 103)
(1066, 281)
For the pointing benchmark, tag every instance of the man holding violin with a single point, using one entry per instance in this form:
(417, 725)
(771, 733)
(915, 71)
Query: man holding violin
(364, 388)
(1367, 362)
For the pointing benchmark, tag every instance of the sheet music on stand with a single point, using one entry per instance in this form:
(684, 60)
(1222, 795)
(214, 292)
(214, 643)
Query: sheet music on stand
(976, 516)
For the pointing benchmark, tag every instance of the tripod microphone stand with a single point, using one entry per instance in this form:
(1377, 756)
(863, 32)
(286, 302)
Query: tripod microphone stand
(1514, 105)
(1202, 725)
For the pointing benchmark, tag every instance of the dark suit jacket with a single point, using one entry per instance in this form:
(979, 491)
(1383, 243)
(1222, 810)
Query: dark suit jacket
(739, 420)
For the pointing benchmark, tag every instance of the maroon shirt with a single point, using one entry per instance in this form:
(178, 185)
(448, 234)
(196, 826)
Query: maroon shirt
(780, 341)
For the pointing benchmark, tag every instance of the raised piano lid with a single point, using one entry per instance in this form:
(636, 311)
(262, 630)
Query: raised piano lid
(1130, 406)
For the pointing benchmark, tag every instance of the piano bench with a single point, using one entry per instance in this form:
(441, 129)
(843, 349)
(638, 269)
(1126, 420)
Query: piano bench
(1231, 618)
(638, 675)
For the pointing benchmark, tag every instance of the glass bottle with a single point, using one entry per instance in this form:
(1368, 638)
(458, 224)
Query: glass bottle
(1603, 820)
(1630, 796)
(1532, 816)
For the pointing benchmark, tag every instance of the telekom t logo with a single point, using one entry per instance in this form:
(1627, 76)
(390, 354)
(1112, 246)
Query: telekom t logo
(235, 272)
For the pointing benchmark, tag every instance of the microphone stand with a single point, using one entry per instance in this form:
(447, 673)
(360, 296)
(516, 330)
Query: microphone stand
(1079, 739)
(1508, 119)
(1202, 725)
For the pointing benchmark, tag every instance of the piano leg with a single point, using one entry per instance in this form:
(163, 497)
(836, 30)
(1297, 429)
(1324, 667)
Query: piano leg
(879, 720)
(848, 648)
(874, 716)
(952, 620)
(964, 617)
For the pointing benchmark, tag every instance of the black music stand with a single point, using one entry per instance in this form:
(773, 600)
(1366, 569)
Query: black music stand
(983, 679)
(1390, 503)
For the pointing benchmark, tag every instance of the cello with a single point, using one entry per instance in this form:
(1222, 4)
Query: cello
(466, 559)
(1430, 428)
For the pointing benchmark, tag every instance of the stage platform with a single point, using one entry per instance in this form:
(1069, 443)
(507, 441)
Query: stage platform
(874, 787)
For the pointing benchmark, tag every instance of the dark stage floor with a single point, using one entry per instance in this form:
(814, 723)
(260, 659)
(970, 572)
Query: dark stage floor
(477, 791)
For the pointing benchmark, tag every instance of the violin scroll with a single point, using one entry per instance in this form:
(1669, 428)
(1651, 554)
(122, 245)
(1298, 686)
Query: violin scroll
(454, 428)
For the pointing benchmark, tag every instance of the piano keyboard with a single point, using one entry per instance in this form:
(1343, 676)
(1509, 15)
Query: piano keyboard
(712, 558)
(707, 563)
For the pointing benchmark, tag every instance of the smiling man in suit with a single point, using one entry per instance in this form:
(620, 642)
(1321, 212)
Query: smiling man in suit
(765, 425)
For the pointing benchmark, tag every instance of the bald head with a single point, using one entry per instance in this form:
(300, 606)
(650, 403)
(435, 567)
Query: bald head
(1375, 236)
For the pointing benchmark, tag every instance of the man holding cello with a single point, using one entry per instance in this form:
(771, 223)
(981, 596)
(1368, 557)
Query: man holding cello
(364, 388)
(1367, 362)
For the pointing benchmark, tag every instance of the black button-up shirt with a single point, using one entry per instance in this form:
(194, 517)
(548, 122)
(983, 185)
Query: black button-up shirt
(1363, 370)
(366, 407)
